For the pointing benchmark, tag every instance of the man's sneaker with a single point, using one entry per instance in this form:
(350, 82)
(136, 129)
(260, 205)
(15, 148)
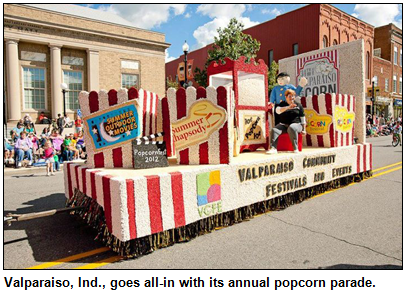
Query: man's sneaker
(19, 164)
(30, 162)
(295, 151)
(272, 151)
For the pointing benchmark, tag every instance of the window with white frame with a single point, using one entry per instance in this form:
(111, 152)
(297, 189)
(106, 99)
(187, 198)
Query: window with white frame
(394, 84)
(74, 80)
(386, 85)
(129, 80)
(34, 88)
(395, 55)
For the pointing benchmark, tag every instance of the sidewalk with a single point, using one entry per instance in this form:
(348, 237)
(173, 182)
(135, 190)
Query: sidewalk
(33, 169)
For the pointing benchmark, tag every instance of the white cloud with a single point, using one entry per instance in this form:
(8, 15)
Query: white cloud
(221, 15)
(188, 15)
(274, 12)
(221, 10)
(146, 16)
(378, 14)
(167, 57)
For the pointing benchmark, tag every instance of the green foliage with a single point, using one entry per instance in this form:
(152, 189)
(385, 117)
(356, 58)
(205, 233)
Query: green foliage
(200, 76)
(232, 43)
(171, 83)
(272, 73)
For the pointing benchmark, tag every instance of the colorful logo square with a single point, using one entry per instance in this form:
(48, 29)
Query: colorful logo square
(208, 187)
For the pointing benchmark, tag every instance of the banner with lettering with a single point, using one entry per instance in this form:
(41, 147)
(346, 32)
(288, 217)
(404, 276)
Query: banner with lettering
(321, 71)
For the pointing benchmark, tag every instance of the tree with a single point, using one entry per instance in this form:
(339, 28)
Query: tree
(272, 73)
(232, 43)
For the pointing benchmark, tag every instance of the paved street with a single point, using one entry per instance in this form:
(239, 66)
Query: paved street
(359, 226)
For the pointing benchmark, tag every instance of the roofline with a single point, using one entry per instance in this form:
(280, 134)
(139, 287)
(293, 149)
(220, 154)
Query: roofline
(350, 15)
(87, 31)
(82, 17)
(390, 24)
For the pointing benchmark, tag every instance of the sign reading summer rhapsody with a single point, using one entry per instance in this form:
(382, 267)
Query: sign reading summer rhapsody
(322, 73)
(204, 118)
(113, 126)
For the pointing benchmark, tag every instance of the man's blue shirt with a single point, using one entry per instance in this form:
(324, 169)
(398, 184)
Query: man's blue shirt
(278, 93)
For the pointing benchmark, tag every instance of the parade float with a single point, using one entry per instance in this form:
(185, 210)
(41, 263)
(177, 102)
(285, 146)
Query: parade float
(166, 170)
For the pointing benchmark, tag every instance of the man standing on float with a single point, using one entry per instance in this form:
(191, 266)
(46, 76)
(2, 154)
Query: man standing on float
(278, 92)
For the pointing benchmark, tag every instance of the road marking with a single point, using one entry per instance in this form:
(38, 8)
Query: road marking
(70, 258)
(385, 172)
(385, 167)
(101, 262)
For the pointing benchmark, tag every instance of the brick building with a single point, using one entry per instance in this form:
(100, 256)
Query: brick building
(388, 63)
(49, 44)
(311, 27)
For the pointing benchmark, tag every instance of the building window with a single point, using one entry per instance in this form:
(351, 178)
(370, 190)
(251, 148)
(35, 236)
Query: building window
(375, 80)
(400, 85)
(367, 70)
(386, 85)
(270, 56)
(295, 49)
(335, 42)
(128, 81)
(74, 80)
(394, 84)
(325, 42)
(34, 88)
(395, 55)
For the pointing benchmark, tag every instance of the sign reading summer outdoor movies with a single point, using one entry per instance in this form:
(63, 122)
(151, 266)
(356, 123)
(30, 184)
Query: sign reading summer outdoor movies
(321, 71)
(114, 126)
(204, 118)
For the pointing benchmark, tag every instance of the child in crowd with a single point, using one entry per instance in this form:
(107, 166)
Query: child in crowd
(49, 158)
(78, 124)
(56, 164)
(72, 147)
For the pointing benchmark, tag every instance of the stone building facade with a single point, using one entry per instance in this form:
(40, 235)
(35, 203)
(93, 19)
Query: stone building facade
(389, 53)
(49, 44)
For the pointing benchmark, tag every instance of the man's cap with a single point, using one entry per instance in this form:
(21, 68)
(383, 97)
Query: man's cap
(282, 75)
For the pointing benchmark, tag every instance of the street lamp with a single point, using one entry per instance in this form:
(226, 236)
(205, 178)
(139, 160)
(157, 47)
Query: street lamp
(64, 87)
(185, 49)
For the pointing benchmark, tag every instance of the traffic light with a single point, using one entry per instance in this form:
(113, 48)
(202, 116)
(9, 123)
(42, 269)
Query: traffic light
(376, 92)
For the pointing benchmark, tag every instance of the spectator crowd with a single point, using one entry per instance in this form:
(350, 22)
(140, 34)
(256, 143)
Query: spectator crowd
(28, 148)
(380, 125)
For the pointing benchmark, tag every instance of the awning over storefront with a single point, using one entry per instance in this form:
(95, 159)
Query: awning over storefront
(397, 102)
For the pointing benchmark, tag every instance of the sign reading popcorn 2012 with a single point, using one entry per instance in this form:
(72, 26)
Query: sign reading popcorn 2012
(114, 126)
(204, 118)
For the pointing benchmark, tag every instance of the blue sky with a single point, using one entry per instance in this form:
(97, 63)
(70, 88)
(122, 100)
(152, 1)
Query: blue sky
(197, 23)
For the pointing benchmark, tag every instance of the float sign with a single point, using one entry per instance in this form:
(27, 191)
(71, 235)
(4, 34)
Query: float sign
(148, 155)
(114, 126)
(204, 118)
(321, 71)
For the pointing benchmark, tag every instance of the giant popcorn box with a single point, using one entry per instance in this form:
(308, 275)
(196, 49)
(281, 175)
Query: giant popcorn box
(330, 120)
(112, 119)
(200, 124)
(249, 82)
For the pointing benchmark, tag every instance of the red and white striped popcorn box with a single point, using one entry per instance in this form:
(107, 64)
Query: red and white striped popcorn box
(326, 104)
(218, 148)
(96, 102)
